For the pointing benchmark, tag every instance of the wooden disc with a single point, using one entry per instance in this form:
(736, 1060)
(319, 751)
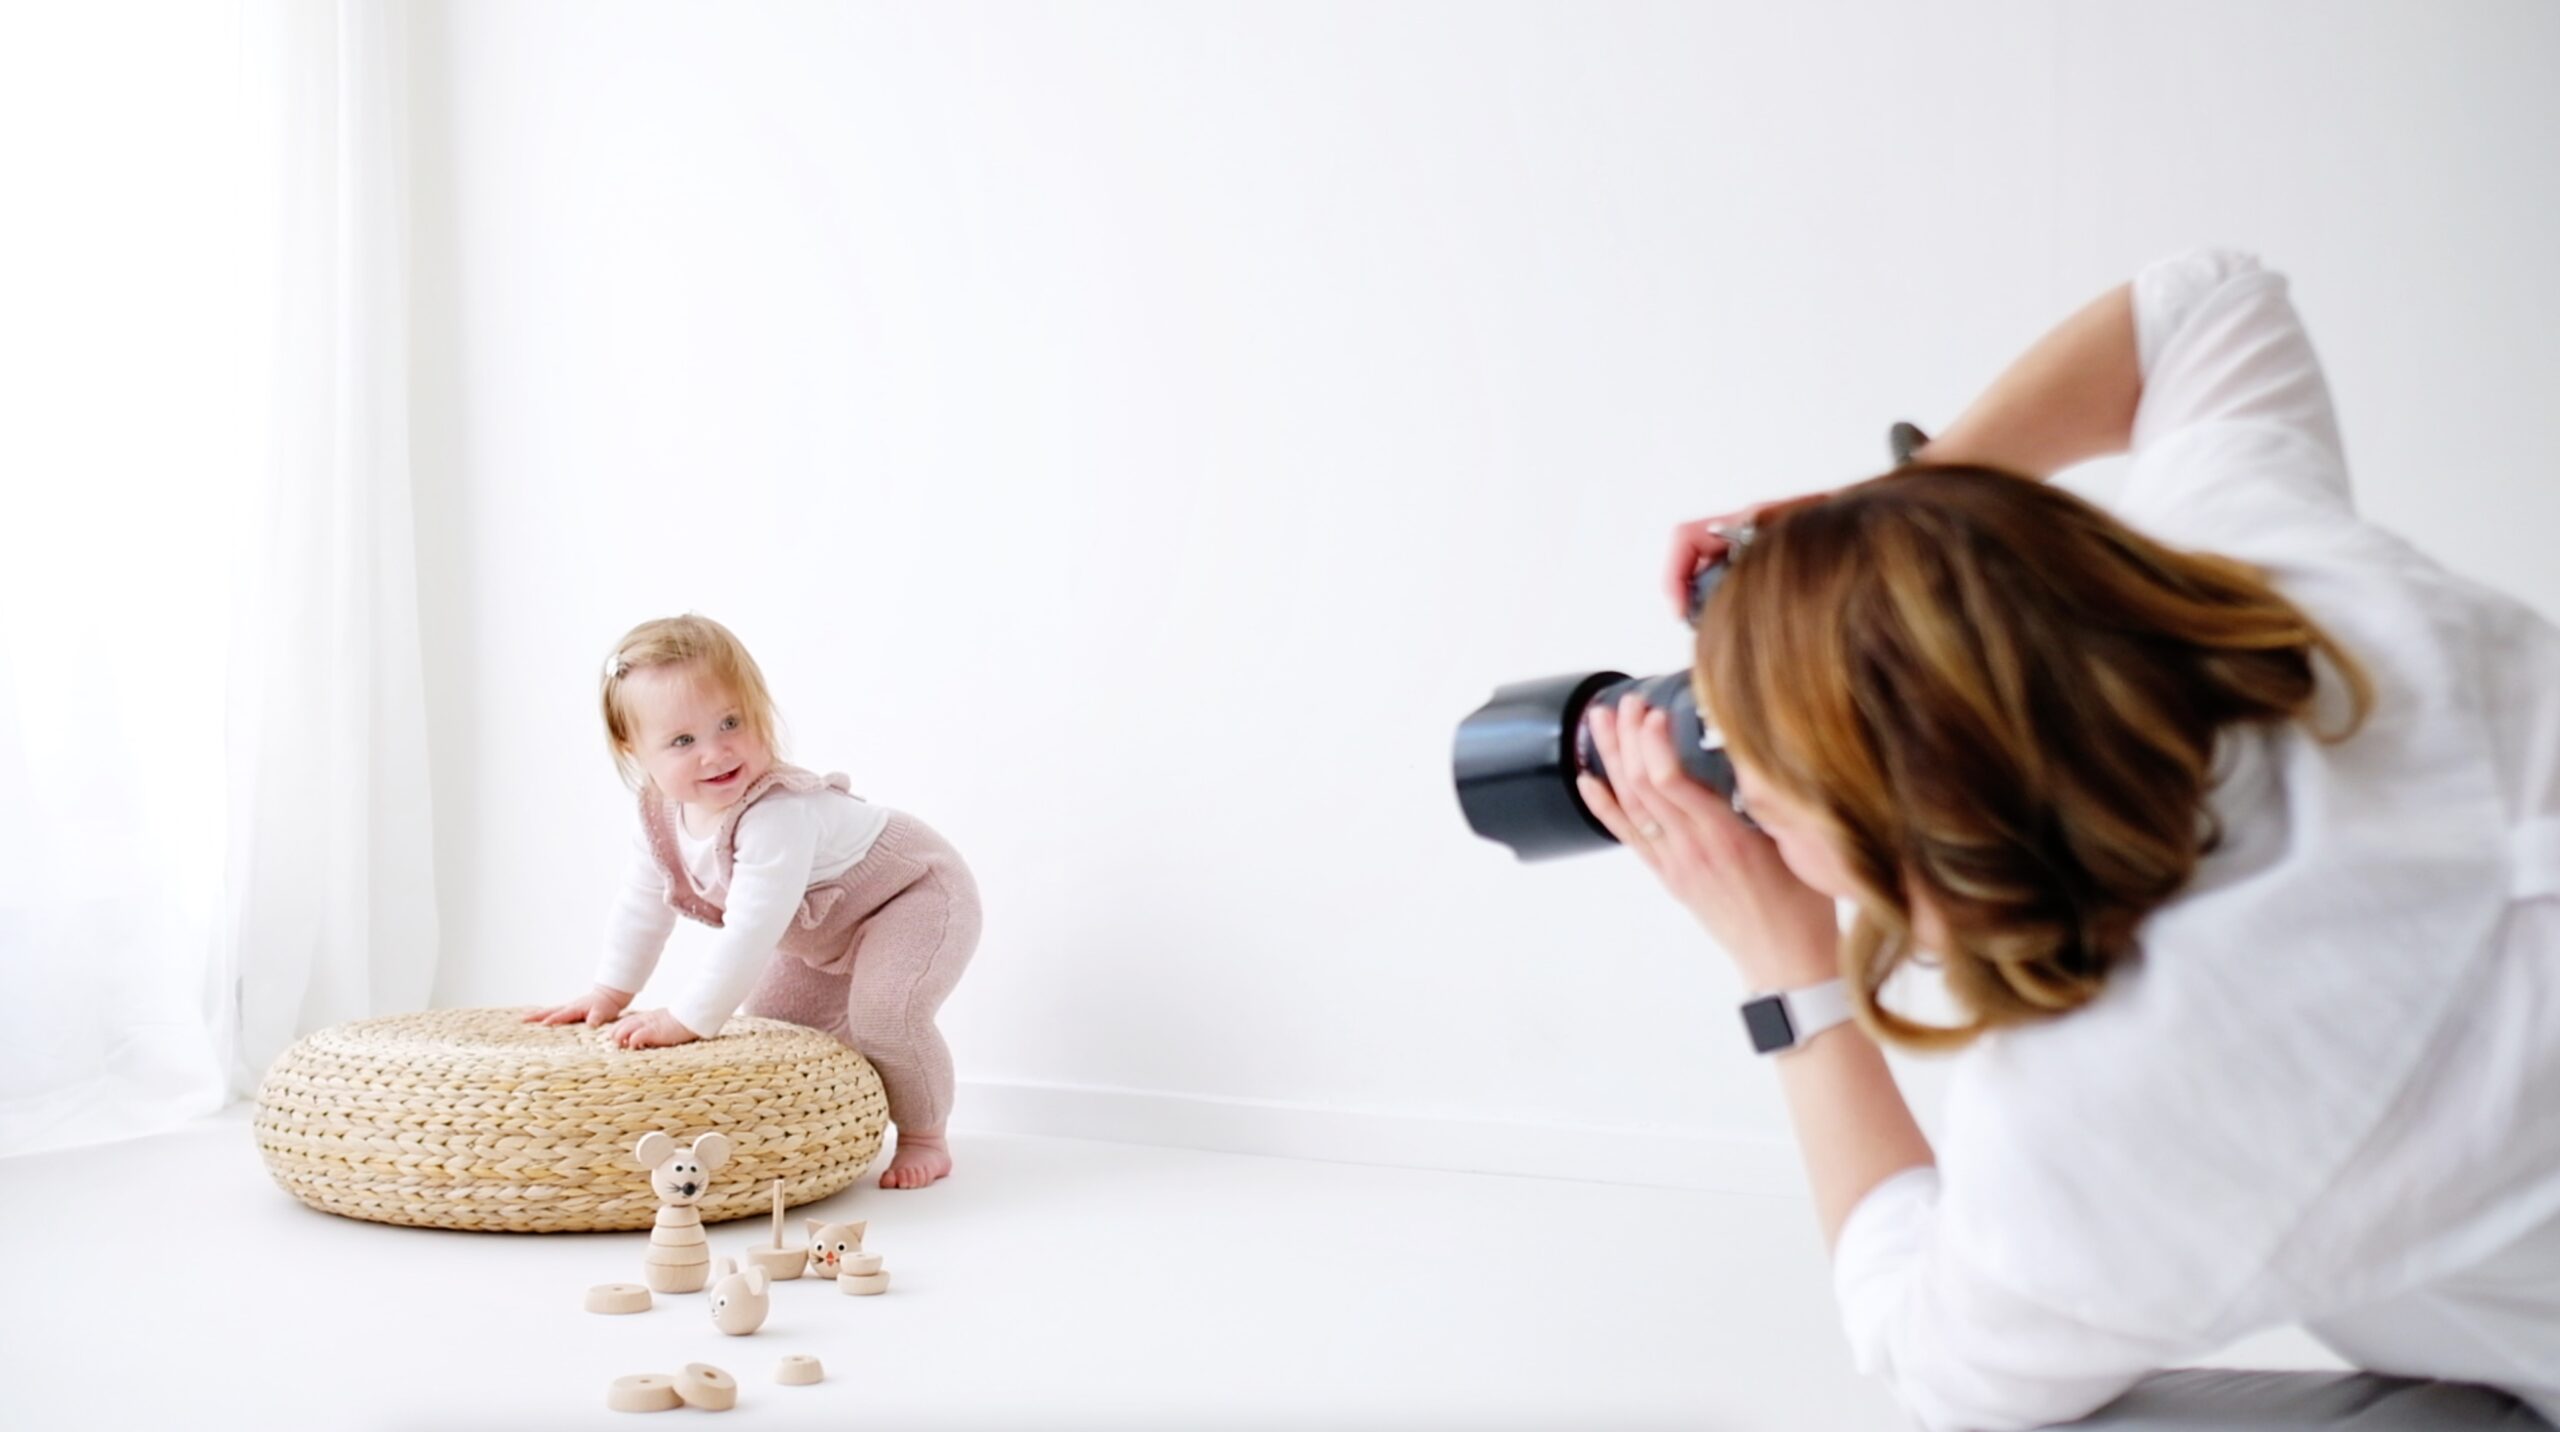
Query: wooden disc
(779, 1264)
(862, 1285)
(680, 1255)
(863, 1264)
(707, 1387)
(617, 1298)
(643, 1392)
(798, 1370)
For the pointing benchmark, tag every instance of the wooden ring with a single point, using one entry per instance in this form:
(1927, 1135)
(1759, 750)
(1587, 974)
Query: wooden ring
(707, 1387)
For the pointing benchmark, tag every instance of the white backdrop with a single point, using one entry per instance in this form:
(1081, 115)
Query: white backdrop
(1131, 436)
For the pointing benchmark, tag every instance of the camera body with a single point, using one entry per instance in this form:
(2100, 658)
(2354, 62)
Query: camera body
(1518, 755)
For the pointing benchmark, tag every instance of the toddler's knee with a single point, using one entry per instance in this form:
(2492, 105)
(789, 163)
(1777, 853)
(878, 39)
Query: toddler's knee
(882, 1031)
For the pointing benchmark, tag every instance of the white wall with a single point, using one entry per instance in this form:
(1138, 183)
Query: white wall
(1130, 437)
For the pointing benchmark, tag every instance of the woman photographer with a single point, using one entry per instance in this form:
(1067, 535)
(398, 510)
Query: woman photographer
(2231, 825)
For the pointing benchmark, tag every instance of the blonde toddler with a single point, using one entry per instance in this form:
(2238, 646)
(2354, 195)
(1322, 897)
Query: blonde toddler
(833, 912)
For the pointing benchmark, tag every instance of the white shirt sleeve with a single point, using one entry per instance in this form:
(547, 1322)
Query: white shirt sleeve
(1959, 1350)
(2232, 395)
(777, 846)
(635, 934)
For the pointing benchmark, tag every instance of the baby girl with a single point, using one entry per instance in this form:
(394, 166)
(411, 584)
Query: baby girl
(833, 912)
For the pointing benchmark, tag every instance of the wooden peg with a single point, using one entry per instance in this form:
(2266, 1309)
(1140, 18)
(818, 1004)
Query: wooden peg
(780, 1264)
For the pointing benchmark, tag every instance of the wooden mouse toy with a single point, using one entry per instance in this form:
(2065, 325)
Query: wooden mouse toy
(679, 1258)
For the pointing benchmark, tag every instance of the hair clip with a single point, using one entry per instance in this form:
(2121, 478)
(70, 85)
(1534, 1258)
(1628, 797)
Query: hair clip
(615, 667)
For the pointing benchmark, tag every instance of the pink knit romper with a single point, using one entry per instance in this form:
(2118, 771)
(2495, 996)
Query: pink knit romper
(872, 953)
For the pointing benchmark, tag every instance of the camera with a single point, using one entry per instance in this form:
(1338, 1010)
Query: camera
(1516, 756)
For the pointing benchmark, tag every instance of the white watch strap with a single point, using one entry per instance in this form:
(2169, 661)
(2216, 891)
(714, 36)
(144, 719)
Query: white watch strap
(1786, 1019)
(1817, 1007)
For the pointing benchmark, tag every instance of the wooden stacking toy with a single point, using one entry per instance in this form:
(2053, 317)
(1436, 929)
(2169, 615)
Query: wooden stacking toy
(679, 1258)
(779, 1263)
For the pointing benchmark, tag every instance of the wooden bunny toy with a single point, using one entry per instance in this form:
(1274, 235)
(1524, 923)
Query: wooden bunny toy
(740, 1301)
(679, 1256)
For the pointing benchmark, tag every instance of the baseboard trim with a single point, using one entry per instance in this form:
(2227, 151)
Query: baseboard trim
(1592, 1153)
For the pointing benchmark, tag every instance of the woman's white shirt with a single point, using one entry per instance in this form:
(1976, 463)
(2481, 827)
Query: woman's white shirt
(2328, 1091)
(786, 842)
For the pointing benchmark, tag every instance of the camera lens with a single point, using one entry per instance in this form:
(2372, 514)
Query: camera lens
(1517, 755)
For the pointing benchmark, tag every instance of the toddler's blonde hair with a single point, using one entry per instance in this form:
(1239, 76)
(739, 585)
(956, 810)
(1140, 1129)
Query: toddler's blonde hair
(678, 641)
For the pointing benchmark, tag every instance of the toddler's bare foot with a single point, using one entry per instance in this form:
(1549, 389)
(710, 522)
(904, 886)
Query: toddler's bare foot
(921, 1159)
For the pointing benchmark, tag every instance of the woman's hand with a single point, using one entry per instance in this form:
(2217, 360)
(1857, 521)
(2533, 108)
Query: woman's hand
(1695, 545)
(649, 1029)
(595, 1007)
(1781, 932)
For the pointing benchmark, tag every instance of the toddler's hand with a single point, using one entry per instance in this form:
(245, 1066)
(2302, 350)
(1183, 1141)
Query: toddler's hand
(597, 1006)
(650, 1029)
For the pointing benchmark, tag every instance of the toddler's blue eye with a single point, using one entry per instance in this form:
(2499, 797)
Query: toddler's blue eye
(729, 725)
(681, 741)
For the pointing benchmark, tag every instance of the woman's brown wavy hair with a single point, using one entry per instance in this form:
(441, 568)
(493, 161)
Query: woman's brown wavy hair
(2004, 701)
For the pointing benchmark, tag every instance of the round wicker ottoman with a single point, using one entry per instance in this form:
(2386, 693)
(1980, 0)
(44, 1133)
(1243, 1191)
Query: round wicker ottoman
(471, 1118)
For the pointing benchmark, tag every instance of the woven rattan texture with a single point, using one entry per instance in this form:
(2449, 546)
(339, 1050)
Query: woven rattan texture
(471, 1118)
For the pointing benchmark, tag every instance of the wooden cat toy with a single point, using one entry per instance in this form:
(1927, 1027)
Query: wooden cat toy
(679, 1259)
(831, 1243)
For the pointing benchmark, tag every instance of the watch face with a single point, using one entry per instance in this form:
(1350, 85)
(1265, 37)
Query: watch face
(1766, 1018)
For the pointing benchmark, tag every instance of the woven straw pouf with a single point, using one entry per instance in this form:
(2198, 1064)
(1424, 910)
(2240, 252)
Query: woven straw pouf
(471, 1118)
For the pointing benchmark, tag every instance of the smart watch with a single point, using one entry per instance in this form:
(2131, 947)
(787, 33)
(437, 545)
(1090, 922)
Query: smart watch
(1779, 1021)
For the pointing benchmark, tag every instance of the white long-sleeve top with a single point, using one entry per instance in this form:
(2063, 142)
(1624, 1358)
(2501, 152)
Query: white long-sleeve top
(786, 842)
(2328, 1091)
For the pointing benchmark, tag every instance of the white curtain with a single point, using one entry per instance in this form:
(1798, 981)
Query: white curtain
(331, 878)
(213, 812)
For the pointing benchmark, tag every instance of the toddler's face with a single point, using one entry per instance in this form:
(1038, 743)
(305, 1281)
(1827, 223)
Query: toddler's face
(691, 736)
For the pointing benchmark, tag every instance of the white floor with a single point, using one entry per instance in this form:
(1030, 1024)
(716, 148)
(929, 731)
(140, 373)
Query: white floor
(1053, 1283)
